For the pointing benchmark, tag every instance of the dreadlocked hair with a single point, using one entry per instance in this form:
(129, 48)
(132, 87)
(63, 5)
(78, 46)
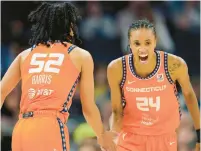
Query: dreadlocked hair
(139, 24)
(53, 22)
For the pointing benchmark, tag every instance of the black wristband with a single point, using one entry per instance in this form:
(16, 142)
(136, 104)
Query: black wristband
(198, 135)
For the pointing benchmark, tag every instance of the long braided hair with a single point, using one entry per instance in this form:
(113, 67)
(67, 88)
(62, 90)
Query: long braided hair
(53, 22)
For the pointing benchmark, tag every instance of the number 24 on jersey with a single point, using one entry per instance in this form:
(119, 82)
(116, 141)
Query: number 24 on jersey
(145, 103)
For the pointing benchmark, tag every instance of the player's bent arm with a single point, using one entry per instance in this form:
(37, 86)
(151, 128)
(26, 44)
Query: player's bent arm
(11, 78)
(89, 108)
(114, 76)
(188, 92)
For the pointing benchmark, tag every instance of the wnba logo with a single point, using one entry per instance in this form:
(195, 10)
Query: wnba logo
(31, 93)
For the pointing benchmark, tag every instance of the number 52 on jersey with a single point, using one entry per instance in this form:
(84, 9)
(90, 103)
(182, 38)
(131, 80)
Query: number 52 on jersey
(38, 60)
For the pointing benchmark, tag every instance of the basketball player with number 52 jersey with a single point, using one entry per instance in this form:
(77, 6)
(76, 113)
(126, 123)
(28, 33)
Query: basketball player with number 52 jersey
(145, 104)
(50, 72)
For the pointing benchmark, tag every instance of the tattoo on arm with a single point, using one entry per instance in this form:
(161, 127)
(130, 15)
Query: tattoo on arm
(173, 67)
(117, 115)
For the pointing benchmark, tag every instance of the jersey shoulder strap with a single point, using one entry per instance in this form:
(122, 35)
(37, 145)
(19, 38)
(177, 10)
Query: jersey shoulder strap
(71, 48)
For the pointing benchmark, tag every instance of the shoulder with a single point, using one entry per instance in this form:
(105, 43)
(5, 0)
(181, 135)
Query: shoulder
(175, 60)
(115, 64)
(82, 53)
(81, 56)
(24, 54)
(176, 64)
(115, 69)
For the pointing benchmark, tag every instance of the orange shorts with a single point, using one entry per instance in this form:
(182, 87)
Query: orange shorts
(44, 131)
(133, 142)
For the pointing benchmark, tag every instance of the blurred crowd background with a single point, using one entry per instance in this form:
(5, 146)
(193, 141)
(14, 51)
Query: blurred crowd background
(103, 30)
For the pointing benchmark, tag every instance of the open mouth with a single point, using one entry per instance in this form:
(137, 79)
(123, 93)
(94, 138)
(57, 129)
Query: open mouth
(143, 58)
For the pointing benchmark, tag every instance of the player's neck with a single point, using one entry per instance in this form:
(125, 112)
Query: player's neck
(144, 70)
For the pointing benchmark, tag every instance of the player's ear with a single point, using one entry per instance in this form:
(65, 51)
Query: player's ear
(71, 30)
(128, 49)
(129, 43)
(155, 42)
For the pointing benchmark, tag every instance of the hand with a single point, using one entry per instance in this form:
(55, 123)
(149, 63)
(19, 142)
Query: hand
(106, 141)
(197, 148)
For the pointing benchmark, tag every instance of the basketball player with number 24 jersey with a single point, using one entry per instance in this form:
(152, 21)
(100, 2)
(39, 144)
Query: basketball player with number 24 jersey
(50, 72)
(145, 105)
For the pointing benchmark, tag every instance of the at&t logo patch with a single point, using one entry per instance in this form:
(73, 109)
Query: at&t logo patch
(31, 93)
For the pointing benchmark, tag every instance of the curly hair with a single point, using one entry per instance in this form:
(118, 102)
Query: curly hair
(53, 22)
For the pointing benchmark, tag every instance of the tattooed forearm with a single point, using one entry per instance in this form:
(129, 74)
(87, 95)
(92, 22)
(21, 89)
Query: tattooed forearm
(117, 115)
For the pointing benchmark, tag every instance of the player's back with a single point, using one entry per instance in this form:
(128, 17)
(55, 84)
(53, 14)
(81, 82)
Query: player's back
(49, 78)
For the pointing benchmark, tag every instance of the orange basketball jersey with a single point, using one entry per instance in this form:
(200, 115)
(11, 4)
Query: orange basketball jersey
(49, 79)
(151, 105)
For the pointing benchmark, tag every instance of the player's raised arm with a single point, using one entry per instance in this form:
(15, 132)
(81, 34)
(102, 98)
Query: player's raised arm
(11, 78)
(114, 76)
(188, 92)
(89, 108)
